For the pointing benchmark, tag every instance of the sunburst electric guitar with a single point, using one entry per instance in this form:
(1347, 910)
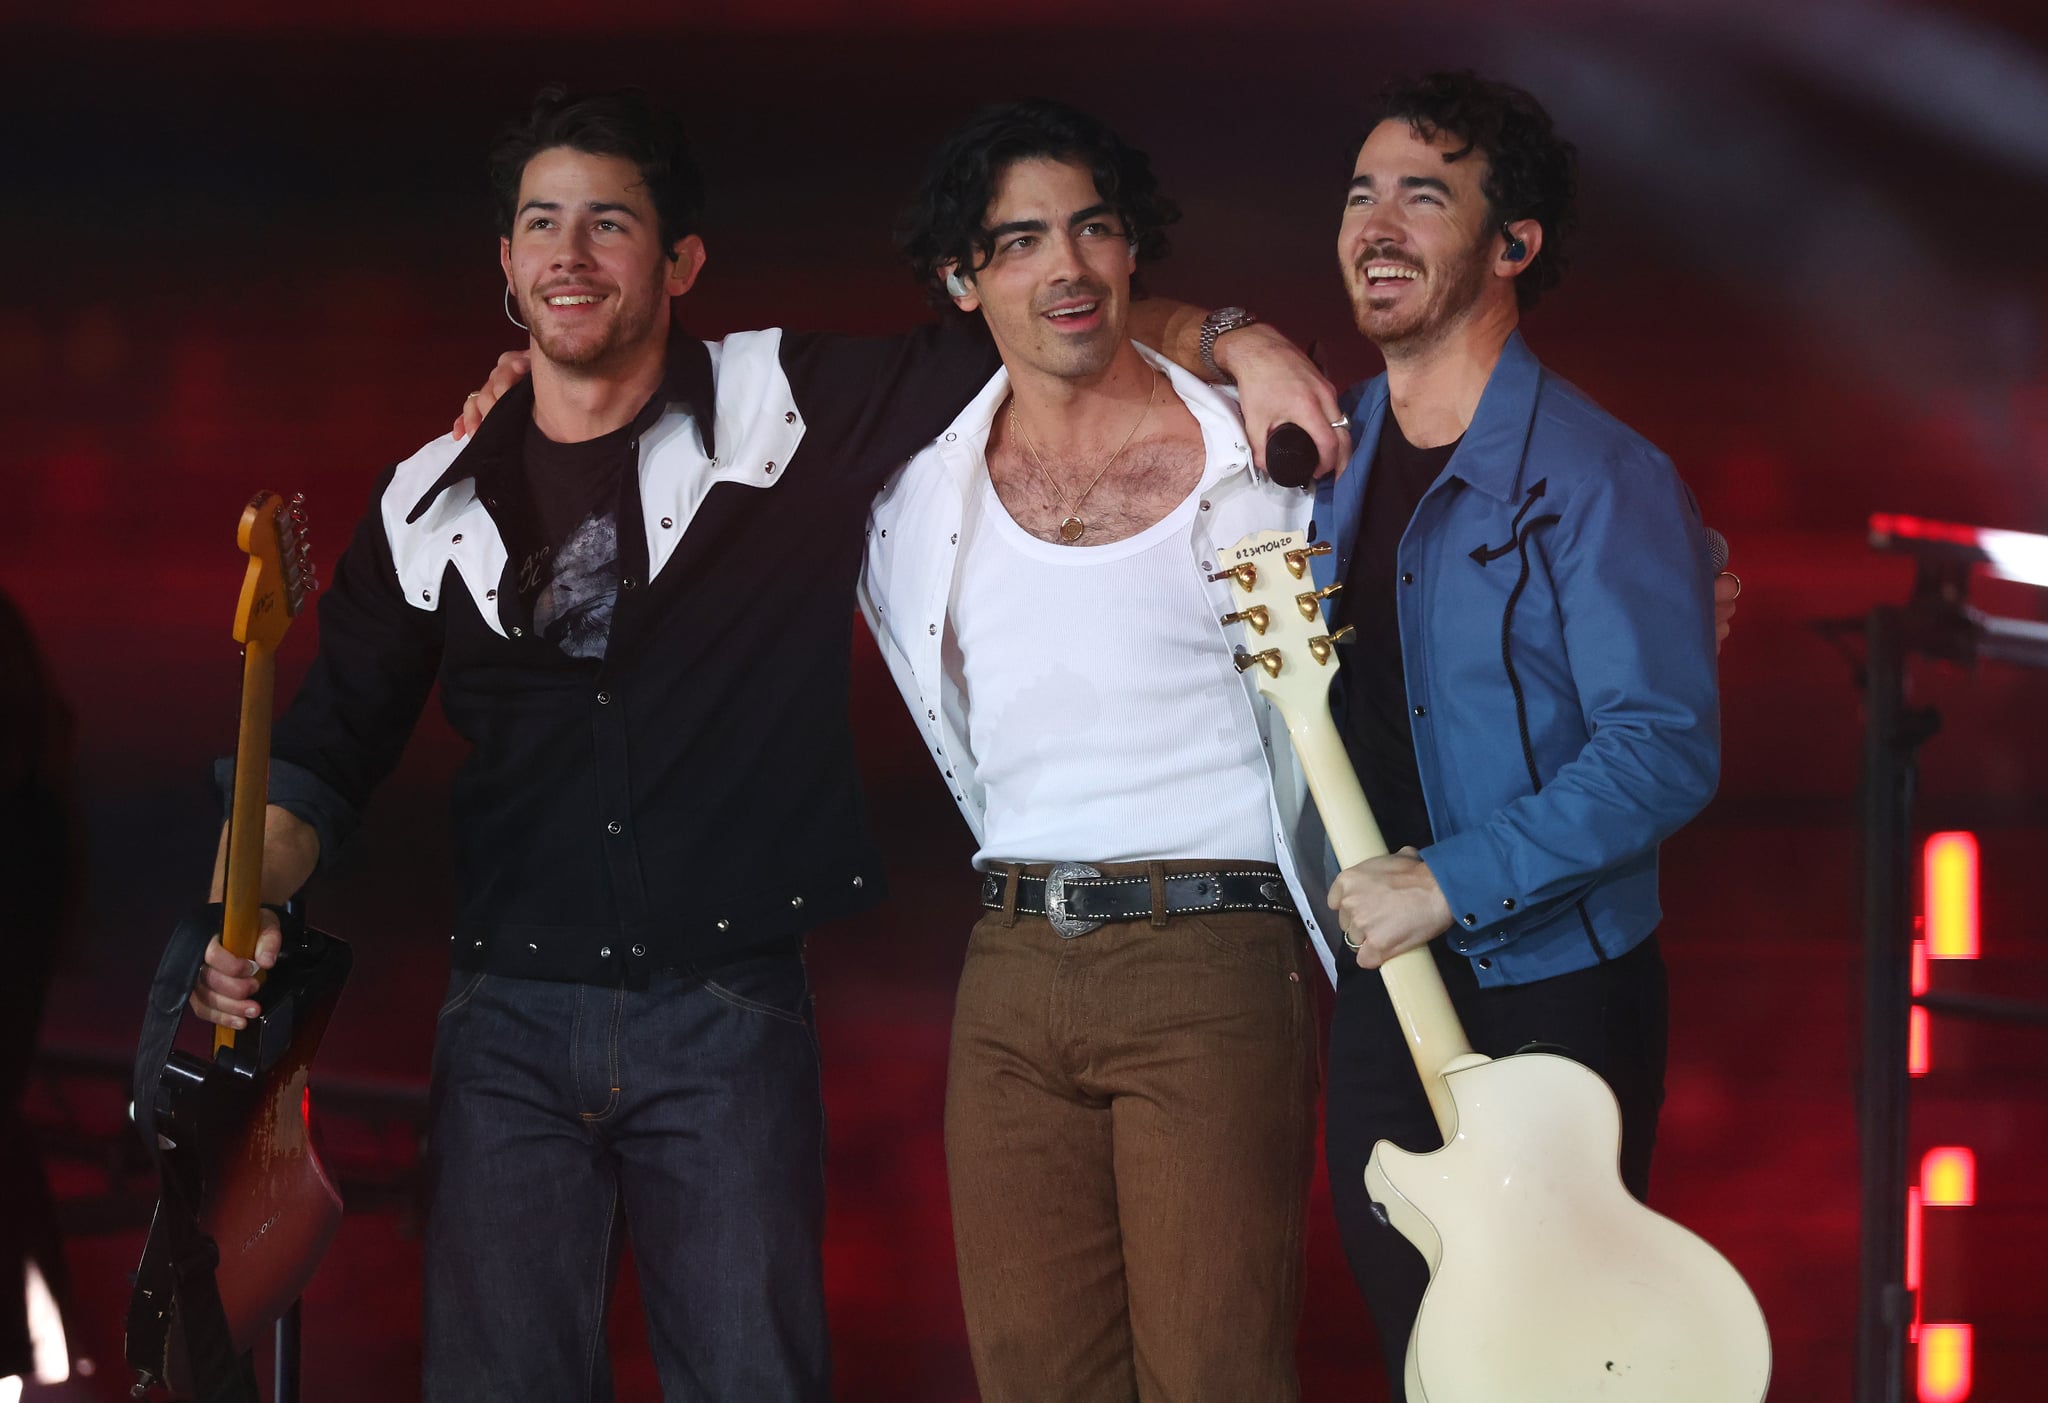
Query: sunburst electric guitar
(246, 1208)
(1548, 1282)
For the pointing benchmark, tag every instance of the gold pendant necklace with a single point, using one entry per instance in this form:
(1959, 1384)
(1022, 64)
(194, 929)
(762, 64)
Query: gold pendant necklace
(1074, 527)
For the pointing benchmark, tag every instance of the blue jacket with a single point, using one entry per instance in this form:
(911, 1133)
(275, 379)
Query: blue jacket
(1555, 602)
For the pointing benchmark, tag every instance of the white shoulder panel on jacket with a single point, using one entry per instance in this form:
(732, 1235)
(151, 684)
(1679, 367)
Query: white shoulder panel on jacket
(454, 528)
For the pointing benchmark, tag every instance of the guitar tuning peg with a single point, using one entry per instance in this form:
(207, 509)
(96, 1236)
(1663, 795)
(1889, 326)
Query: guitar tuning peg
(1269, 660)
(1297, 560)
(1324, 644)
(1308, 603)
(1256, 616)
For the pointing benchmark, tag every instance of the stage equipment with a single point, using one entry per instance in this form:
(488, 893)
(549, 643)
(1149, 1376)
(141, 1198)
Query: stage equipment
(1936, 622)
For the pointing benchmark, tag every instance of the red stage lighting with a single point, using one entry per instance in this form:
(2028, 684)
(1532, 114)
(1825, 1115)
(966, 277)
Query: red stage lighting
(1948, 1177)
(1945, 1363)
(1949, 895)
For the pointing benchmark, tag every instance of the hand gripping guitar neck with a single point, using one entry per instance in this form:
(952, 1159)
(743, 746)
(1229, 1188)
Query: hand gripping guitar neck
(1548, 1282)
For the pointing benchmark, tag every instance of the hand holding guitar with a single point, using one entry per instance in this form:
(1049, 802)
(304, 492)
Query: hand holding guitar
(225, 991)
(1388, 905)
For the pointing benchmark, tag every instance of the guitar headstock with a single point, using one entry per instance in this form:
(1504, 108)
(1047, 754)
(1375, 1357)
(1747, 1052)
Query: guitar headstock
(1280, 609)
(280, 575)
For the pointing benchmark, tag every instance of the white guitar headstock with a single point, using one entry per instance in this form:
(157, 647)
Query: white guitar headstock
(1281, 611)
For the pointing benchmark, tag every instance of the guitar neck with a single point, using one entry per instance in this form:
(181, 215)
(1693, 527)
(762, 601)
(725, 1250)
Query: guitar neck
(1429, 1025)
(242, 897)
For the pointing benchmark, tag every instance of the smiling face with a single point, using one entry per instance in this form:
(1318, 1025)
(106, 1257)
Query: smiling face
(1056, 290)
(1418, 245)
(586, 263)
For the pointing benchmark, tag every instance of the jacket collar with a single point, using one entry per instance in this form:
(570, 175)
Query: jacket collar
(496, 446)
(1216, 415)
(1490, 455)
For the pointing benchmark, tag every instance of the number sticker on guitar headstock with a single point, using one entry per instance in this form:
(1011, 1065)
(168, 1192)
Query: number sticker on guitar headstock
(1281, 611)
(280, 574)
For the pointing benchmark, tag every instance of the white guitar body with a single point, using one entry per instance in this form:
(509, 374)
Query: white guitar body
(1549, 1283)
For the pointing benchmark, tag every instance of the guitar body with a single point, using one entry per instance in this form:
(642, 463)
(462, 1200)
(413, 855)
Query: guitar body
(1579, 1291)
(238, 1125)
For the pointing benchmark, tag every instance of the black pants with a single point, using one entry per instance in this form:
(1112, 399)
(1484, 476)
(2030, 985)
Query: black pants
(1612, 1017)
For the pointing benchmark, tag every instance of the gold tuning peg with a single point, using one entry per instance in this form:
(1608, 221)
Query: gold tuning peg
(1269, 660)
(1256, 616)
(1324, 644)
(1307, 602)
(1297, 560)
(1246, 575)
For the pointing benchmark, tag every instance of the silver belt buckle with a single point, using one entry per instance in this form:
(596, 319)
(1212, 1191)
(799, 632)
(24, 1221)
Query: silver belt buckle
(1056, 899)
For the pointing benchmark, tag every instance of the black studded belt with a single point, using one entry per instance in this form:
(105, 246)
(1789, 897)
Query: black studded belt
(1076, 898)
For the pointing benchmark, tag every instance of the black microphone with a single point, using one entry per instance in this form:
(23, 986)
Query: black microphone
(1291, 456)
(1717, 545)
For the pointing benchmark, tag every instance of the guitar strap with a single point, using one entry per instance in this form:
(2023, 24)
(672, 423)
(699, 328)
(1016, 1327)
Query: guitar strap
(178, 1282)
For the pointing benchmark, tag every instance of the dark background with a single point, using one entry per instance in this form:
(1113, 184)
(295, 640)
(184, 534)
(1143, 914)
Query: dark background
(250, 246)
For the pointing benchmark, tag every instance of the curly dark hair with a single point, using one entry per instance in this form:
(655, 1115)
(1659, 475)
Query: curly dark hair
(944, 223)
(1531, 171)
(618, 123)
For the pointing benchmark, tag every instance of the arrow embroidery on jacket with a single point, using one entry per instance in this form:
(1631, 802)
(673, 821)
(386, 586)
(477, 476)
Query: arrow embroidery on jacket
(1483, 554)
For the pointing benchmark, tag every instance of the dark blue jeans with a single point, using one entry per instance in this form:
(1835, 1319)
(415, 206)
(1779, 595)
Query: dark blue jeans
(687, 1115)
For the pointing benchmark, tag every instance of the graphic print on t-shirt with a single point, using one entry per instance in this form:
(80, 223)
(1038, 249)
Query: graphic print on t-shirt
(574, 608)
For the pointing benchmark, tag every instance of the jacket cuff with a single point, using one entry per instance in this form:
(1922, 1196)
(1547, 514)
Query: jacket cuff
(1473, 876)
(303, 795)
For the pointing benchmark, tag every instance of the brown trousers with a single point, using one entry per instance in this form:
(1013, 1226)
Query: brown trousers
(1130, 1125)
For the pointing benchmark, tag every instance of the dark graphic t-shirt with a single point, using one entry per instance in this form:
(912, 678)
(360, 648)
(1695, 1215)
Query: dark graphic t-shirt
(573, 579)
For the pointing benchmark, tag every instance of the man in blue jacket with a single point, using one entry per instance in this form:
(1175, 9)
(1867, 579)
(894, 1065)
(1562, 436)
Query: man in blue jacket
(1529, 693)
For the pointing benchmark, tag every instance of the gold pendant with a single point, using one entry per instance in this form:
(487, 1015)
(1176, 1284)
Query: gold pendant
(1071, 529)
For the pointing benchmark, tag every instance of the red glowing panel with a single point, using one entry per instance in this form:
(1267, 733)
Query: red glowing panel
(1913, 1244)
(1949, 889)
(1919, 968)
(1918, 1051)
(306, 1107)
(1945, 1363)
(1948, 1177)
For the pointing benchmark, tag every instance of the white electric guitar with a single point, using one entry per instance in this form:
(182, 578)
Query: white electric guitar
(1549, 1283)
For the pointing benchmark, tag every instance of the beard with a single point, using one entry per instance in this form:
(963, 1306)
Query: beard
(1068, 357)
(589, 349)
(1449, 291)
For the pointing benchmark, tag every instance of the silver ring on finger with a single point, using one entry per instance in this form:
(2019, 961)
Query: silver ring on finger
(1341, 422)
(1352, 942)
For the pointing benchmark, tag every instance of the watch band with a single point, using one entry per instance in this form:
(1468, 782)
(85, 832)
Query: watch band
(1214, 325)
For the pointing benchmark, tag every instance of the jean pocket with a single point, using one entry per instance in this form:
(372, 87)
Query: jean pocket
(1263, 942)
(776, 985)
(462, 987)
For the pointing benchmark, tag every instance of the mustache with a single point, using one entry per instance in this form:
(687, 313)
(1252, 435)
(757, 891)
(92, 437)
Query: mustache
(1383, 253)
(571, 285)
(1086, 288)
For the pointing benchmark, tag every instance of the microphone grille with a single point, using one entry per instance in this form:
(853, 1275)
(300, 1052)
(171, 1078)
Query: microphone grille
(1717, 549)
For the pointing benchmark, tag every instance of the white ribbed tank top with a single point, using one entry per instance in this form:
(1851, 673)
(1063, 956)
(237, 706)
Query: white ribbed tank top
(1099, 699)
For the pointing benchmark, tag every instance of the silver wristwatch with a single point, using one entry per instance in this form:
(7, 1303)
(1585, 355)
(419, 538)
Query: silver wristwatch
(1214, 325)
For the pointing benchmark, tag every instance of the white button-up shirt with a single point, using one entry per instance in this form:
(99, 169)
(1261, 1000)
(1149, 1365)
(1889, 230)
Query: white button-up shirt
(912, 562)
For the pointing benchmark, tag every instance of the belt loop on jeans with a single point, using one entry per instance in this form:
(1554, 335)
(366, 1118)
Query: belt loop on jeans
(1155, 872)
(1010, 893)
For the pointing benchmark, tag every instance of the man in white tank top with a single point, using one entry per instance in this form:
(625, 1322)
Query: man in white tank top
(1131, 1094)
